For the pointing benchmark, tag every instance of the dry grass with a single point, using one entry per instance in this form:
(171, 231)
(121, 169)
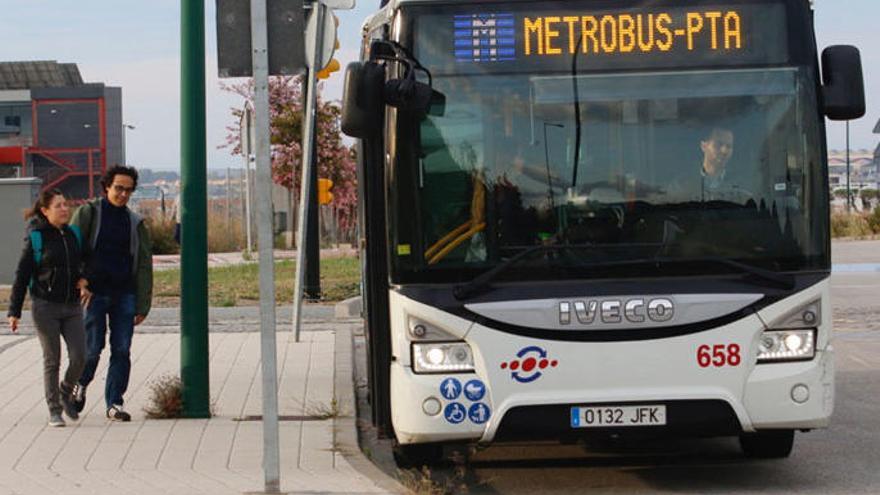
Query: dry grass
(321, 410)
(166, 398)
(422, 482)
(855, 225)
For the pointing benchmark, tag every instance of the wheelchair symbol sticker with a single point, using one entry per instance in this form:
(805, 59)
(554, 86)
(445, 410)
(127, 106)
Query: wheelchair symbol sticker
(479, 413)
(474, 390)
(455, 413)
(450, 388)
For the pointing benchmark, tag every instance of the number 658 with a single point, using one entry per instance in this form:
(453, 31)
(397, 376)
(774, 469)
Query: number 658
(719, 355)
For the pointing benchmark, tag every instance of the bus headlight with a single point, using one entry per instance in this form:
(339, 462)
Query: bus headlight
(787, 345)
(442, 357)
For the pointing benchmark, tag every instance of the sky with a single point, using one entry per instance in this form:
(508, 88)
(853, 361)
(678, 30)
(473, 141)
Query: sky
(136, 45)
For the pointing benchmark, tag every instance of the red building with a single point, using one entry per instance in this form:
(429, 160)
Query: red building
(58, 128)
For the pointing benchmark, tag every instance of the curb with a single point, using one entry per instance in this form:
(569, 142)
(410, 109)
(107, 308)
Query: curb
(345, 425)
(349, 308)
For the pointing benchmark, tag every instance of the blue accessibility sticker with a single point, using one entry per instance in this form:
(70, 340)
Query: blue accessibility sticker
(474, 390)
(450, 388)
(479, 413)
(455, 413)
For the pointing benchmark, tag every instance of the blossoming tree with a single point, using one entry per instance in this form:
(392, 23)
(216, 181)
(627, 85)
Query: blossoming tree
(335, 160)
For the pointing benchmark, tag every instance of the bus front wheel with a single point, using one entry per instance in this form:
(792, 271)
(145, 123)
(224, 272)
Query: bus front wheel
(774, 444)
(417, 455)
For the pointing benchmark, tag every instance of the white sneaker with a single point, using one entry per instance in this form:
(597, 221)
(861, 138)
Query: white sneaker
(116, 413)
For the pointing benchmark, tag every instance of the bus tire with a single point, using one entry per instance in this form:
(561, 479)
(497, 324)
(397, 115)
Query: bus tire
(417, 455)
(771, 444)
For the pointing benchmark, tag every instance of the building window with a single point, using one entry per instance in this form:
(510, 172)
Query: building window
(12, 120)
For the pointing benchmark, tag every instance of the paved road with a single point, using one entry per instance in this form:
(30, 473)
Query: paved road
(843, 459)
(840, 460)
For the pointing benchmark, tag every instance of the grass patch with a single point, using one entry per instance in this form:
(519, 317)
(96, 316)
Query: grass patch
(238, 285)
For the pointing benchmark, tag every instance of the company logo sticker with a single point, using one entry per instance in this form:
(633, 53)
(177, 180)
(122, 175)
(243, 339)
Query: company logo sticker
(474, 390)
(479, 413)
(450, 388)
(455, 413)
(529, 366)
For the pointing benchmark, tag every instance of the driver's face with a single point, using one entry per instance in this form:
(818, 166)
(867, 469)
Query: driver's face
(718, 148)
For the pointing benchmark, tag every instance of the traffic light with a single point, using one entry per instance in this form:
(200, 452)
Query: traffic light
(333, 65)
(324, 194)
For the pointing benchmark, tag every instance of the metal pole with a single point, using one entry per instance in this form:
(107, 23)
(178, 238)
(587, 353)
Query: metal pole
(312, 289)
(848, 194)
(242, 203)
(194, 373)
(308, 156)
(259, 42)
(228, 200)
(247, 201)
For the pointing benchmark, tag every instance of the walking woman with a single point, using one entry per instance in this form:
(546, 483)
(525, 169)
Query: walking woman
(50, 266)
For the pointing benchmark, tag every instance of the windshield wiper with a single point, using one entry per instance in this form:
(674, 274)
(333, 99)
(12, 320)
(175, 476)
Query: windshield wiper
(758, 275)
(481, 283)
(766, 277)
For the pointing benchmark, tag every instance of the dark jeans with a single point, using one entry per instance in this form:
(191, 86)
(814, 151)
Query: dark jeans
(119, 309)
(55, 321)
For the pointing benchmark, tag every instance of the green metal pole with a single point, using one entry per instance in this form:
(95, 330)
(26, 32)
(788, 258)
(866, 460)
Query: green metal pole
(193, 207)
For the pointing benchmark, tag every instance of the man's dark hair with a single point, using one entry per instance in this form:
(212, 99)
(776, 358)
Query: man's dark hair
(112, 172)
(715, 132)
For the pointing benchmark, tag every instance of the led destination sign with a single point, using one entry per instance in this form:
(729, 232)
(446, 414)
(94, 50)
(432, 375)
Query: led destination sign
(612, 34)
(523, 37)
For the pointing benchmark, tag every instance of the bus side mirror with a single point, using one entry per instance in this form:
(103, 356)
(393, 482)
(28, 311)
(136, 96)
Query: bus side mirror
(414, 96)
(843, 87)
(362, 100)
(408, 94)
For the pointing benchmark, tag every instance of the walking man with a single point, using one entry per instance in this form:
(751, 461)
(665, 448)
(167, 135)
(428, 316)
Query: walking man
(119, 267)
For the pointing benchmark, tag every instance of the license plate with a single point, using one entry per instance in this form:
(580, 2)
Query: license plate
(618, 416)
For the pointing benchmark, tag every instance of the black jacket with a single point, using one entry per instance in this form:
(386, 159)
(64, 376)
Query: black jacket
(60, 268)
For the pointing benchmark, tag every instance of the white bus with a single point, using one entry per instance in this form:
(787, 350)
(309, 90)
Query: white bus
(585, 218)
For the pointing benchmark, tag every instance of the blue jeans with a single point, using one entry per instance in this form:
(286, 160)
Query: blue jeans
(119, 309)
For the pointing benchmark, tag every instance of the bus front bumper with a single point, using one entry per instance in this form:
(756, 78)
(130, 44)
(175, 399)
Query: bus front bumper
(797, 395)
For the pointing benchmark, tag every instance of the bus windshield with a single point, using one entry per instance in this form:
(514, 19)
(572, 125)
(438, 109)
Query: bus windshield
(635, 158)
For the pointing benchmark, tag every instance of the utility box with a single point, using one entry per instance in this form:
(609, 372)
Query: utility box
(16, 195)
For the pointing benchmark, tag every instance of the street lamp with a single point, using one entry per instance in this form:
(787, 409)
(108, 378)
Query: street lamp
(547, 163)
(125, 127)
(848, 197)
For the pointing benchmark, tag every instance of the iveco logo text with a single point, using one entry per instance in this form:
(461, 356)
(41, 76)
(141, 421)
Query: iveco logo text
(615, 311)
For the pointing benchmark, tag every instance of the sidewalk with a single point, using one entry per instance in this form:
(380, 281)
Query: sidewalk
(221, 455)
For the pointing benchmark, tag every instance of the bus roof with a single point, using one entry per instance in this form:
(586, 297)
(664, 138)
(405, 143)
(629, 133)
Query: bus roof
(383, 15)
